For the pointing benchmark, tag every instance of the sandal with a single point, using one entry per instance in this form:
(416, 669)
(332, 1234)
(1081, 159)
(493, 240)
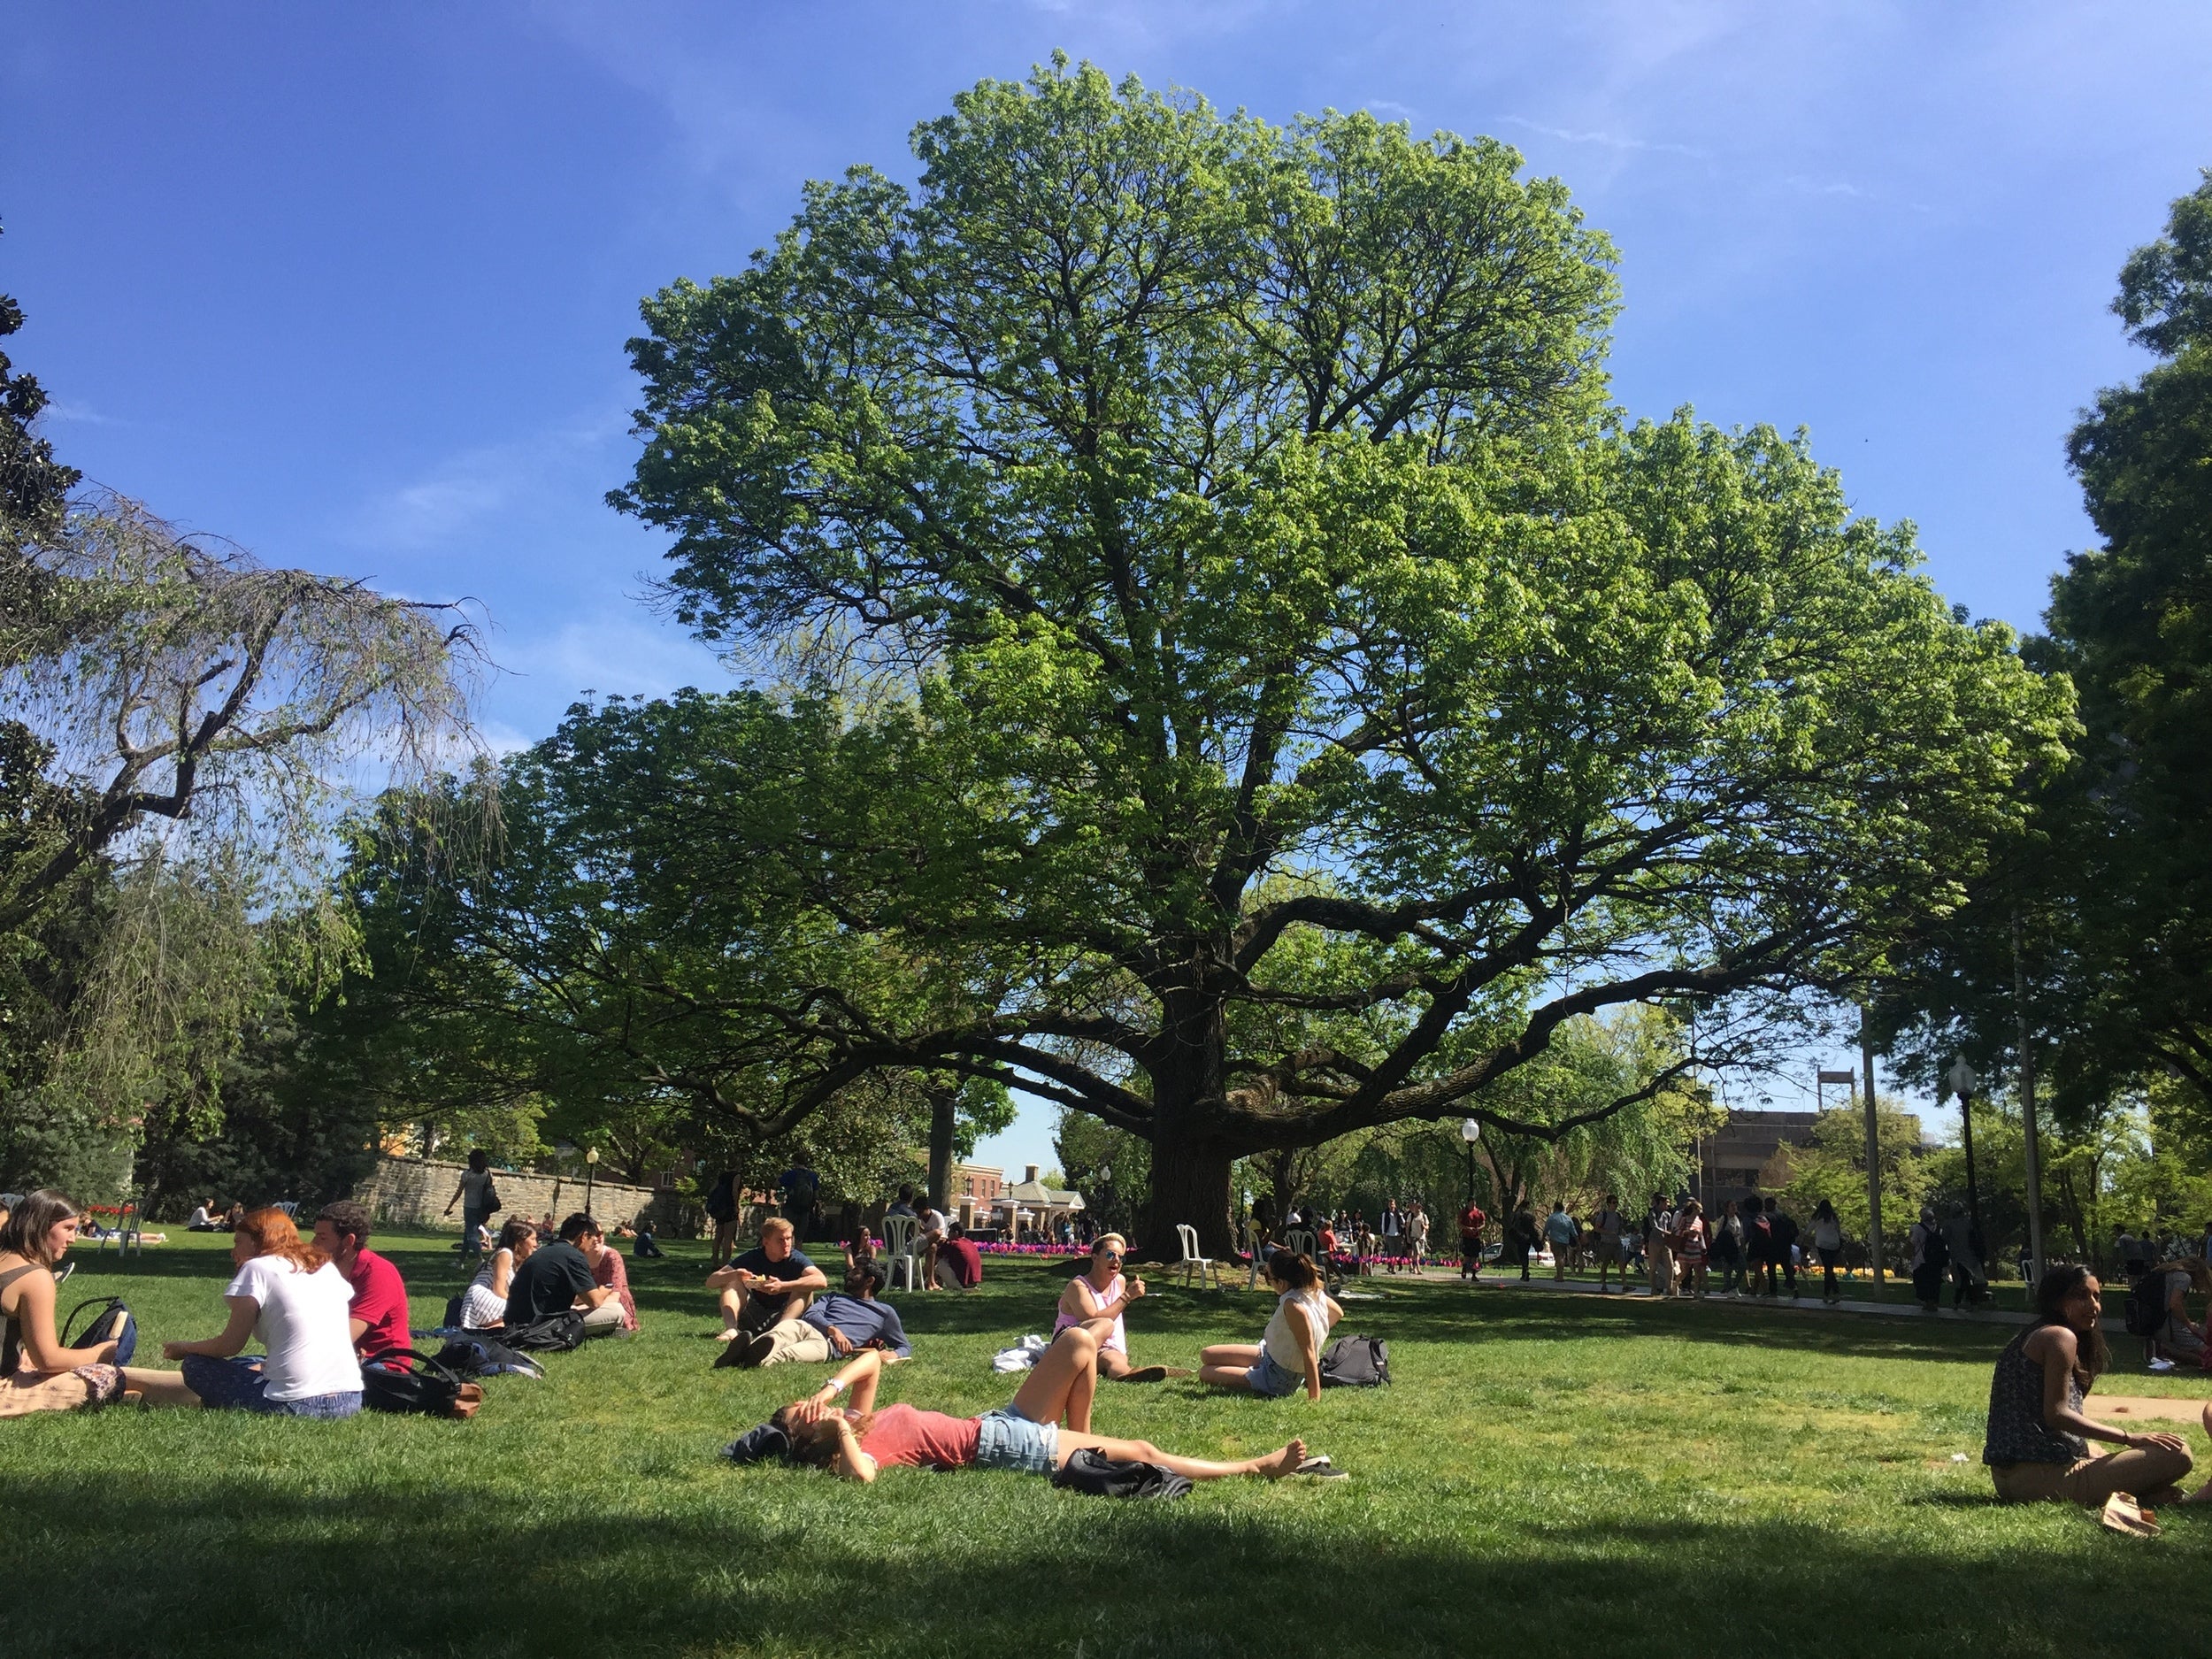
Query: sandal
(1321, 1468)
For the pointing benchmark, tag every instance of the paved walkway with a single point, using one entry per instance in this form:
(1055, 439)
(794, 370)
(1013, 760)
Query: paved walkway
(1543, 1283)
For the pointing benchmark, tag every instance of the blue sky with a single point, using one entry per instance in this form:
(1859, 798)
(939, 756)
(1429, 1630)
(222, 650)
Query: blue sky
(350, 284)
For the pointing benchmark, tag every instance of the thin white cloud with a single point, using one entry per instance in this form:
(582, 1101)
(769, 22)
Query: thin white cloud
(464, 491)
(1608, 141)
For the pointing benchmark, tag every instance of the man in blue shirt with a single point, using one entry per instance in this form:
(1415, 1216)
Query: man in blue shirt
(835, 1326)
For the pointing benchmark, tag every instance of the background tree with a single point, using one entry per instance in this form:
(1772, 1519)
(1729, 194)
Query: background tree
(618, 966)
(1295, 644)
(2094, 926)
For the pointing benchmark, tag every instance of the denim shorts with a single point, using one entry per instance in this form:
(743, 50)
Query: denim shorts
(1270, 1380)
(1007, 1440)
(239, 1385)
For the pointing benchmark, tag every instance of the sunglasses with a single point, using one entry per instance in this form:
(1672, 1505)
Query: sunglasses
(1110, 1255)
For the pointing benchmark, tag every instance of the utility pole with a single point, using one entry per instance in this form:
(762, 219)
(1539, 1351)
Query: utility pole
(2027, 1107)
(1873, 1149)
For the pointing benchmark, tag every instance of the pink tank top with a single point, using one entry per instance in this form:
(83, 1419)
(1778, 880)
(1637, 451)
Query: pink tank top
(1094, 1302)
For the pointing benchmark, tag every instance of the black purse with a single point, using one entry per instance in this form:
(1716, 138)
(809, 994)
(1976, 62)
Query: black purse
(410, 1384)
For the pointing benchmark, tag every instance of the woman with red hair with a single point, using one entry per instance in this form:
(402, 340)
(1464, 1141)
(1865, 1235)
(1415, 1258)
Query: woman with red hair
(290, 1297)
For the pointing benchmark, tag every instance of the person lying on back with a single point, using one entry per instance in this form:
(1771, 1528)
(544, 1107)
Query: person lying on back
(834, 1326)
(557, 1278)
(377, 1315)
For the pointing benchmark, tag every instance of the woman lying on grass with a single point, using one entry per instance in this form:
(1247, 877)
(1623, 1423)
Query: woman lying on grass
(1289, 1351)
(1026, 1436)
(2037, 1445)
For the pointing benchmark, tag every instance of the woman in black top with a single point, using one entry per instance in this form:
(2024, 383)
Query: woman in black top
(2035, 1447)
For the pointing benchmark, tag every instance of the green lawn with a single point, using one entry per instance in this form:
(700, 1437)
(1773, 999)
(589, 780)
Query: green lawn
(1548, 1474)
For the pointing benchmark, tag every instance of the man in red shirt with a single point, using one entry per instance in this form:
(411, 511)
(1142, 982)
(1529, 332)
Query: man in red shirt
(379, 1295)
(959, 1258)
(1472, 1222)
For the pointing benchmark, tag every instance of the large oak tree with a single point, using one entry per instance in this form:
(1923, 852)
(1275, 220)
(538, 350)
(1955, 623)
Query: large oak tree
(1308, 695)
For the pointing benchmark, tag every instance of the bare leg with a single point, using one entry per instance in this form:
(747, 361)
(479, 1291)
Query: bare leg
(1061, 1387)
(1112, 1362)
(2203, 1493)
(1230, 1354)
(732, 1305)
(158, 1388)
(1274, 1466)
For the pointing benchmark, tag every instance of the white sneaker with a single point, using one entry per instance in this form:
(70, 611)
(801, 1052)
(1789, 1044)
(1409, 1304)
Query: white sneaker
(2161, 1364)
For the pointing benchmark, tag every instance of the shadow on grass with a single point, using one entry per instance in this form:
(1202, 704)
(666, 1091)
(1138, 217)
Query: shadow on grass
(781, 1562)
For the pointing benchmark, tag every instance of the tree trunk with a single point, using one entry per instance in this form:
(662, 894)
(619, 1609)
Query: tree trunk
(1190, 1159)
(943, 1097)
(1189, 1184)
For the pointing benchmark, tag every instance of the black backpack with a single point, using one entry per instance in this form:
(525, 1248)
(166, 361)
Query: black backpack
(555, 1333)
(409, 1383)
(1090, 1472)
(112, 1322)
(2144, 1314)
(1355, 1362)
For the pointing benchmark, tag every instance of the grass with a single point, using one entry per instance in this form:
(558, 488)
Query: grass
(1549, 1473)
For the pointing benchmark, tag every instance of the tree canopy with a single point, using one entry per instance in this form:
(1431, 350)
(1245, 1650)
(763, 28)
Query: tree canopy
(2093, 928)
(1291, 694)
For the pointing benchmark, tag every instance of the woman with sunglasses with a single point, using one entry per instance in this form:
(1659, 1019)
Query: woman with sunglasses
(1095, 1301)
(1026, 1436)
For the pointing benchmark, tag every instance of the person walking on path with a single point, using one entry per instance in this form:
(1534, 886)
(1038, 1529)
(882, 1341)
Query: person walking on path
(1964, 1247)
(1828, 1245)
(1520, 1236)
(1608, 1224)
(1471, 1224)
(1559, 1232)
(1658, 1245)
(1782, 1236)
(1691, 1243)
(479, 1199)
(722, 1211)
(1728, 1248)
(1418, 1236)
(1758, 1246)
(1929, 1257)
(1393, 1233)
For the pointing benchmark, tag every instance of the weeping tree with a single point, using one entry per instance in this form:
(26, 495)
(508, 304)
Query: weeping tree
(180, 724)
(627, 955)
(1307, 696)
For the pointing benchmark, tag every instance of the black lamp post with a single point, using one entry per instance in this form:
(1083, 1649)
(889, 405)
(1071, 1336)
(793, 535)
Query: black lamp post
(1470, 1132)
(591, 1175)
(1963, 1083)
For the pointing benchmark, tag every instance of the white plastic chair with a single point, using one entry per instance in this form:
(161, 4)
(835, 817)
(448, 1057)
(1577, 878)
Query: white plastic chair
(1192, 1261)
(900, 1260)
(290, 1207)
(1300, 1241)
(1252, 1253)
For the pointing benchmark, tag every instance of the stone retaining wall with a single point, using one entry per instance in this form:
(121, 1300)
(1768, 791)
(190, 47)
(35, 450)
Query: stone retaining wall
(413, 1193)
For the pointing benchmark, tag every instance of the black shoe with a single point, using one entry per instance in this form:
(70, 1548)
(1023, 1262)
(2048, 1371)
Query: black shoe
(1145, 1373)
